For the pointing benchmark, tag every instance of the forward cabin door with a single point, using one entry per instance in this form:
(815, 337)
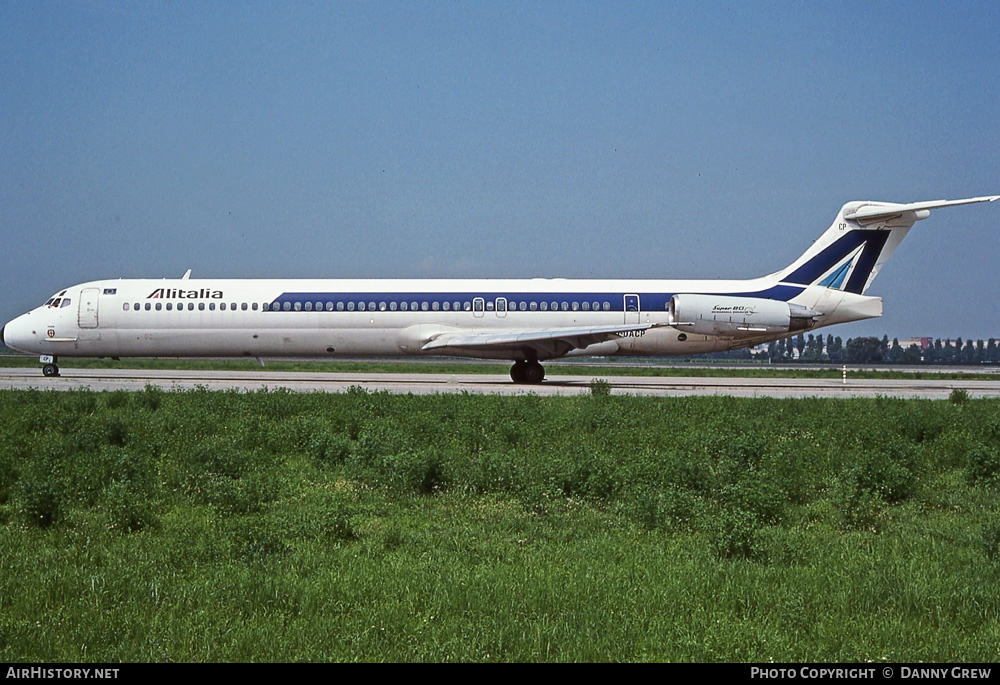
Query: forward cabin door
(631, 308)
(87, 317)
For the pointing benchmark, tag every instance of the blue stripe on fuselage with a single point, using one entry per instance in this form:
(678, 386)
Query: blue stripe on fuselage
(615, 301)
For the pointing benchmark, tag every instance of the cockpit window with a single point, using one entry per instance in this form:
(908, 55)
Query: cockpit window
(57, 301)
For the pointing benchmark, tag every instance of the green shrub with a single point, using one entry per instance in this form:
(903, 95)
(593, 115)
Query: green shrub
(328, 448)
(734, 534)
(859, 506)
(128, 509)
(41, 499)
(984, 463)
(600, 387)
(420, 470)
(991, 539)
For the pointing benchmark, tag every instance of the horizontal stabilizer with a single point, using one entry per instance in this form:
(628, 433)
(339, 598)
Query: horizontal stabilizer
(883, 210)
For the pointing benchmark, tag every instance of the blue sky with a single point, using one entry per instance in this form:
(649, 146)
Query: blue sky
(455, 139)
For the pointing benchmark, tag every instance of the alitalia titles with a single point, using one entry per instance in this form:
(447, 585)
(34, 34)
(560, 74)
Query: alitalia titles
(177, 294)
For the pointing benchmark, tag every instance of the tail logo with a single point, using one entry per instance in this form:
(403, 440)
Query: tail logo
(846, 264)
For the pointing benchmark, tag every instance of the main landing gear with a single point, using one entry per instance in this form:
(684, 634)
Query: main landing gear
(525, 371)
(50, 369)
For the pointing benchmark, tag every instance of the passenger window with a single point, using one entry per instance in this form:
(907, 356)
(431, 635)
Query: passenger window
(404, 306)
(381, 306)
(576, 306)
(297, 306)
(243, 306)
(253, 306)
(586, 306)
(147, 307)
(222, 306)
(607, 306)
(340, 306)
(309, 306)
(159, 306)
(446, 306)
(423, 306)
(361, 306)
(286, 306)
(392, 306)
(125, 306)
(456, 306)
(329, 306)
(414, 306)
(544, 306)
(350, 306)
(371, 306)
(533, 306)
(435, 305)
(201, 306)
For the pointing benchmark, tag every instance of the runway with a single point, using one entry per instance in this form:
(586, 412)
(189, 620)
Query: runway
(420, 383)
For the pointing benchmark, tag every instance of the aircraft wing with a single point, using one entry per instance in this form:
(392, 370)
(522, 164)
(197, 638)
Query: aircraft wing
(548, 343)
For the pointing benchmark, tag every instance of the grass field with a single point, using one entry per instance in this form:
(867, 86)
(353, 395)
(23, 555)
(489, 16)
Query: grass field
(271, 526)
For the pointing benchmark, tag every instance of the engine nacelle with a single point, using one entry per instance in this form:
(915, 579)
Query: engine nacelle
(739, 317)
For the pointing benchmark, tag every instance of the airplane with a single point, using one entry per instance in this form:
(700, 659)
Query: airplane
(525, 321)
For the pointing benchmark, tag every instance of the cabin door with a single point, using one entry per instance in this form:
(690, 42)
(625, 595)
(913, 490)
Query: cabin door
(87, 317)
(631, 309)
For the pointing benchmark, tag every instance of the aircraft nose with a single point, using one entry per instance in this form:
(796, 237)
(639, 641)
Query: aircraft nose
(17, 334)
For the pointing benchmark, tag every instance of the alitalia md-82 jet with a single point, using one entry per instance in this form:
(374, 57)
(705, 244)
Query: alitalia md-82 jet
(525, 321)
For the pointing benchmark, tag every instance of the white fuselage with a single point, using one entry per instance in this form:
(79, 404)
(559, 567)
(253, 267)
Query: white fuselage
(282, 318)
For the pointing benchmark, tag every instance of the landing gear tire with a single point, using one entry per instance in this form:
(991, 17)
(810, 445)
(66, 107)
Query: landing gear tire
(527, 372)
(50, 370)
(517, 372)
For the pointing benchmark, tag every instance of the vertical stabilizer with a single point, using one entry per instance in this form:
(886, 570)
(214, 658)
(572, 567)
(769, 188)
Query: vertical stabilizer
(851, 252)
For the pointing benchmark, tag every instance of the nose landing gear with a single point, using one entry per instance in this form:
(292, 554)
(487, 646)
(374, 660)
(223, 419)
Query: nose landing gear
(50, 369)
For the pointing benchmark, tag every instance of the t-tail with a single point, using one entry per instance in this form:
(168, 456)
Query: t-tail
(849, 255)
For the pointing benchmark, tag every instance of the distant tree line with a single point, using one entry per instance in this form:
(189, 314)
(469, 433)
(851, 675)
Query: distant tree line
(871, 350)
